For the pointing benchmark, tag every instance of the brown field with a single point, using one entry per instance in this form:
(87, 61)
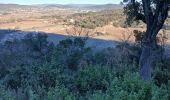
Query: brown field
(51, 20)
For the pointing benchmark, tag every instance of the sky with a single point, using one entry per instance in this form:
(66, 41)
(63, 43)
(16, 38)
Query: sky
(29, 2)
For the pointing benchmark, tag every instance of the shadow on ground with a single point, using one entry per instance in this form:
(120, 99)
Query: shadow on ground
(98, 44)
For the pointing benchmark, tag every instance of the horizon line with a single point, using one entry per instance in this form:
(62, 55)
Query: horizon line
(62, 4)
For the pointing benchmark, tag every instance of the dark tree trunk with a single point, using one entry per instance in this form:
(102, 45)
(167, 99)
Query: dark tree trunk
(154, 22)
(148, 56)
(146, 62)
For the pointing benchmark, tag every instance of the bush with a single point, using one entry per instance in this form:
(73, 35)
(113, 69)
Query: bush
(6, 94)
(122, 54)
(60, 73)
(99, 96)
(92, 78)
(70, 52)
(92, 20)
(31, 49)
(161, 93)
(131, 87)
(59, 93)
(161, 72)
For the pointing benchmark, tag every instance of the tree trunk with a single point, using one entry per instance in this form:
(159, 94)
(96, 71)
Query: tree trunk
(154, 21)
(148, 56)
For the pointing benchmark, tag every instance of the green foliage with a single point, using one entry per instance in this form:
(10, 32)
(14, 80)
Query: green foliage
(121, 54)
(131, 87)
(92, 20)
(5, 94)
(161, 73)
(131, 12)
(161, 93)
(92, 78)
(32, 49)
(139, 36)
(47, 74)
(59, 93)
(70, 52)
(100, 96)
(61, 75)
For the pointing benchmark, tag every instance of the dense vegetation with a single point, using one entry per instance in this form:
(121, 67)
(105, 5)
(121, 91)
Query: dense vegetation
(33, 69)
(106, 17)
(98, 19)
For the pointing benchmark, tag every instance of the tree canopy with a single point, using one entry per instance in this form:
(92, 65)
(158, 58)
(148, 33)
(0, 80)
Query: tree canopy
(148, 11)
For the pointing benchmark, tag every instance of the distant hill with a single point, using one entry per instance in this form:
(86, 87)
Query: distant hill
(88, 6)
(107, 6)
(70, 5)
(81, 6)
(13, 6)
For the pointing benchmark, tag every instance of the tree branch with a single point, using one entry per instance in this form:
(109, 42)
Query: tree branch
(148, 12)
(138, 15)
(160, 16)
(141, 17)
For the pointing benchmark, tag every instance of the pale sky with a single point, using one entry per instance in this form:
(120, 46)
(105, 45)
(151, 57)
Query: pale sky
(28, 2)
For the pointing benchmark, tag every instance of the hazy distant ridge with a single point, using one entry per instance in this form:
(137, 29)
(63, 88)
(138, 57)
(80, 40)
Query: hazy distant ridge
(14, 6)
(81, 6)
(88, 6)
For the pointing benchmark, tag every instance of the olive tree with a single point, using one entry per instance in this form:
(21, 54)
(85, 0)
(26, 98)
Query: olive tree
(153, 13)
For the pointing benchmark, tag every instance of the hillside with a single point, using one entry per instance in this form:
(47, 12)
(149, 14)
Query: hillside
(81, 6)
(107, 6)
(84, 51)
(14, 6)
(70, 70)
(88, 6)
(85, 6)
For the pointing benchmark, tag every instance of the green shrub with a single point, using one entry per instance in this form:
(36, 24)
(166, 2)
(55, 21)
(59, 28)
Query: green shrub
(93, 78)
(131, 87)
(100, 96)
(47, 75)
(20, 76)
(33, 48)
(161, 72)
(70, 52)
(62, 75)
(98, 19)
(59, 93)
(6, 94)
(161, 93)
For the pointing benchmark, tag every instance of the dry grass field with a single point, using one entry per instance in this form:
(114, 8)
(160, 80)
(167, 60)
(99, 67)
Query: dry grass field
(59, 21)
